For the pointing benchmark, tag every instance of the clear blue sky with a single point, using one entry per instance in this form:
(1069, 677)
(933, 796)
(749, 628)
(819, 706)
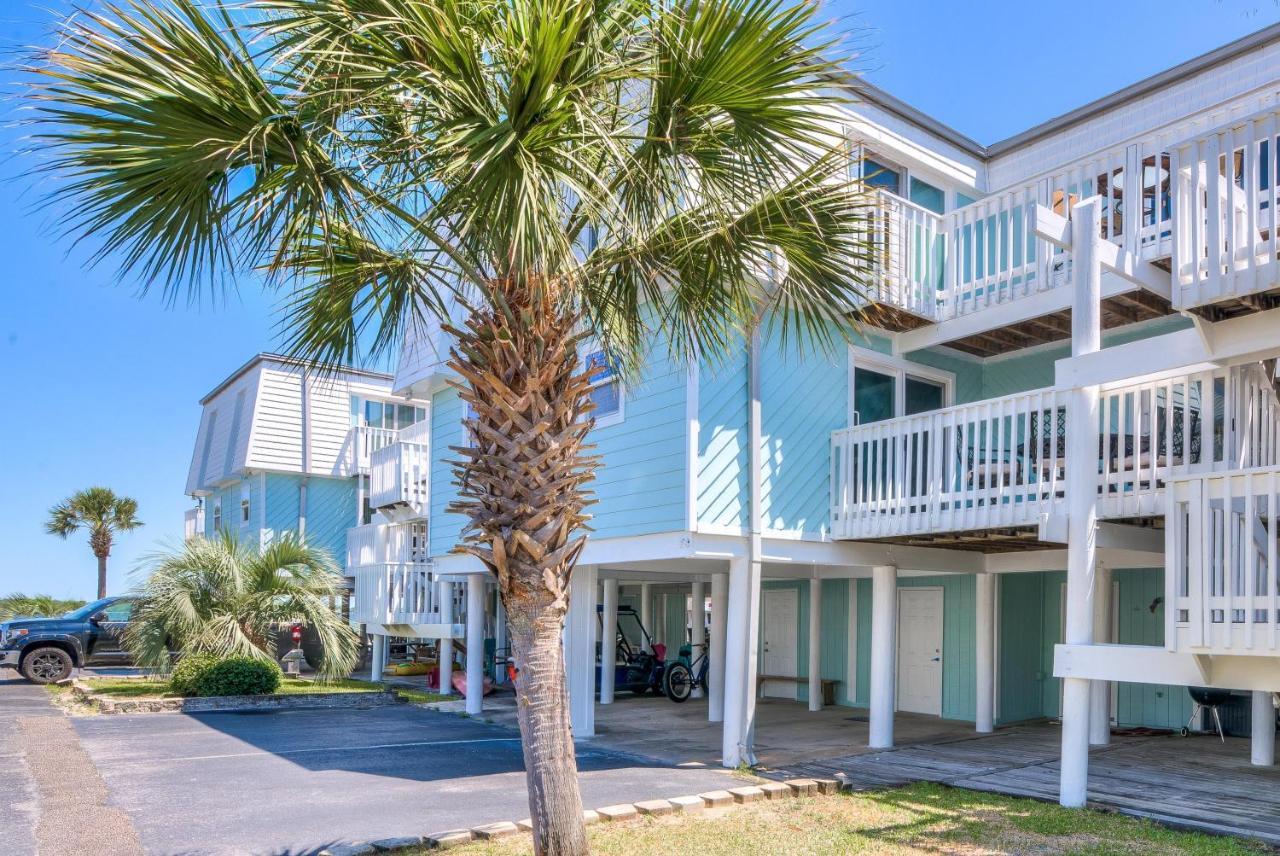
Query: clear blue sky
(101, 387)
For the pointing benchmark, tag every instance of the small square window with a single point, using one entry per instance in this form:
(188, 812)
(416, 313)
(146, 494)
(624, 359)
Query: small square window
(606, 389)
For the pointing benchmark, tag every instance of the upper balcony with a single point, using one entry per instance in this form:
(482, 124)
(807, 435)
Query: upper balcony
(357, 452)
(400, 476)
(1196, 206)
(1001, 464)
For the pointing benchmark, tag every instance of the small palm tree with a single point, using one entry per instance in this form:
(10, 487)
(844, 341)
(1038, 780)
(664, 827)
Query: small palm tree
(218, 596)
(103, 514)
(35, 606)
(628, 170)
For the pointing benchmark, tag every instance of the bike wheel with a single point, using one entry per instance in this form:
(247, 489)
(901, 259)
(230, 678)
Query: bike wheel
(678, 682)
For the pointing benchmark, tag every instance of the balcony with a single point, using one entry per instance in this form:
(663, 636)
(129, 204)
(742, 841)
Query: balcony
(193, 522)
(1226, 243)
(1001, 463)
(1222, 579)
(362, 441)
(400, 475)
(401, 598)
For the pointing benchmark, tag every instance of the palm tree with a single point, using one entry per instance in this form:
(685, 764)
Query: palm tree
(531, 172)
(35, 606)
(218, 596)
(103, 514)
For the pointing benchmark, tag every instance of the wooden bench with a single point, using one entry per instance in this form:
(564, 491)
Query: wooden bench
(828, 686)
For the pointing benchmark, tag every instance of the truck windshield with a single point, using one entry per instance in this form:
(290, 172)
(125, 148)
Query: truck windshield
(88, 609)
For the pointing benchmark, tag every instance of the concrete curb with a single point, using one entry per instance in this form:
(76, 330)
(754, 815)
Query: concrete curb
(373, 698)
(618, 813)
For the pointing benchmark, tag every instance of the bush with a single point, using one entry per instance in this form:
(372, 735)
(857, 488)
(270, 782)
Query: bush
(238, 676)
(187, 671)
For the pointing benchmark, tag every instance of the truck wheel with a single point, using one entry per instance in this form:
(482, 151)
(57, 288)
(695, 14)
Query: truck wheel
(46, 665)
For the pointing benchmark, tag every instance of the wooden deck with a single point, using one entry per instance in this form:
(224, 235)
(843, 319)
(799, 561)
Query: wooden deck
(1195, 782)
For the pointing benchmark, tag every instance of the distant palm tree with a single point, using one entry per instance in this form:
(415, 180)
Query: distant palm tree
(35, 606)
(103, 514)
(220, 596)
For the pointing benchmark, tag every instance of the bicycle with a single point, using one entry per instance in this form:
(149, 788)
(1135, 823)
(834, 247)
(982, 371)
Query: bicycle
(682, 676)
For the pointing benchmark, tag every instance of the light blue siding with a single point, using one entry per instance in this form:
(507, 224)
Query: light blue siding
(283, 504)
(1140, 614)
(803, 399)
(447, 411)
(640, 486)
(833, 657)
(723, 411)
(331, 510)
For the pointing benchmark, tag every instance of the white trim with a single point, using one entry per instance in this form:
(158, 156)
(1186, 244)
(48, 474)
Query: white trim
(851, 643)
(692, 426)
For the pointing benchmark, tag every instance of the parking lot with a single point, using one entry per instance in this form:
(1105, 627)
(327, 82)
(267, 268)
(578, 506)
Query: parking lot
(294, 782)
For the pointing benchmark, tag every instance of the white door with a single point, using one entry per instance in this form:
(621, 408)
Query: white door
(779, 634)
(920, 650)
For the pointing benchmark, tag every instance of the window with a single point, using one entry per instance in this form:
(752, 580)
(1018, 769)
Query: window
(606, 389)
(927, 196)
(885, 387)
(244, 504)
(877, 174)
(372, 413)
(217, 515)
(118, 611)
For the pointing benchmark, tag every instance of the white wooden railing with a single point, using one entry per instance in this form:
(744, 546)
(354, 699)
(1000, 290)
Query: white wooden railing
(379, 543)
(362, 441)
(910, 252)
(400, 475)
(986, 254)
(193, 522)
(395, 593)
(1002, 461)
(1222, 579)
(995, 462)
(1226, 195)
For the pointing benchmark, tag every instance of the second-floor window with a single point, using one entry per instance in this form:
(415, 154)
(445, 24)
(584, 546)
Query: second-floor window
(372, 413)
(217, 516)
(606, 388)
(896, 180)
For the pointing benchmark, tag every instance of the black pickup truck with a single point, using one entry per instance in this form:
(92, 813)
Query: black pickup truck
(45, 650)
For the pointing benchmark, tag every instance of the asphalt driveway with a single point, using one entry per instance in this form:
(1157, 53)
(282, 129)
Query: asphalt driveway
(294, 782)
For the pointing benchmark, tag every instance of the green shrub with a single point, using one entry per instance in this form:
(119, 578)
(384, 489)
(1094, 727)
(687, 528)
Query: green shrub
(238, 676)
(187, 671)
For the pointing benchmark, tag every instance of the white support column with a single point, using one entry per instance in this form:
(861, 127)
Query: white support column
(884, 633)
(697, 627)
(1100, 691)
(445, 593)
(646, 611)
(475, 643)
(378, 644)
(985, 691)
(736, 662)
(608, 640)
(499, 639)
(815, 644)
(580, 651)
(716, 666)
(1263, 747)
(1082, 495)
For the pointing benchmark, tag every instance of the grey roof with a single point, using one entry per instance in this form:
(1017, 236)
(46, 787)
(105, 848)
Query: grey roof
(1179, 72)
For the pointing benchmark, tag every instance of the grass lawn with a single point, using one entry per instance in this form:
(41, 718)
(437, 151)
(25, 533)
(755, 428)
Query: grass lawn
(134, 688)
(920, 819)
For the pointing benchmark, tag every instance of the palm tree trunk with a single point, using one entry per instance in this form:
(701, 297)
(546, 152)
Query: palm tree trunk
(522, 484)
(102, 577)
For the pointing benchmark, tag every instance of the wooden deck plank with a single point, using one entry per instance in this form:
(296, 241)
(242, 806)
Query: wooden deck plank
(1192, 783)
